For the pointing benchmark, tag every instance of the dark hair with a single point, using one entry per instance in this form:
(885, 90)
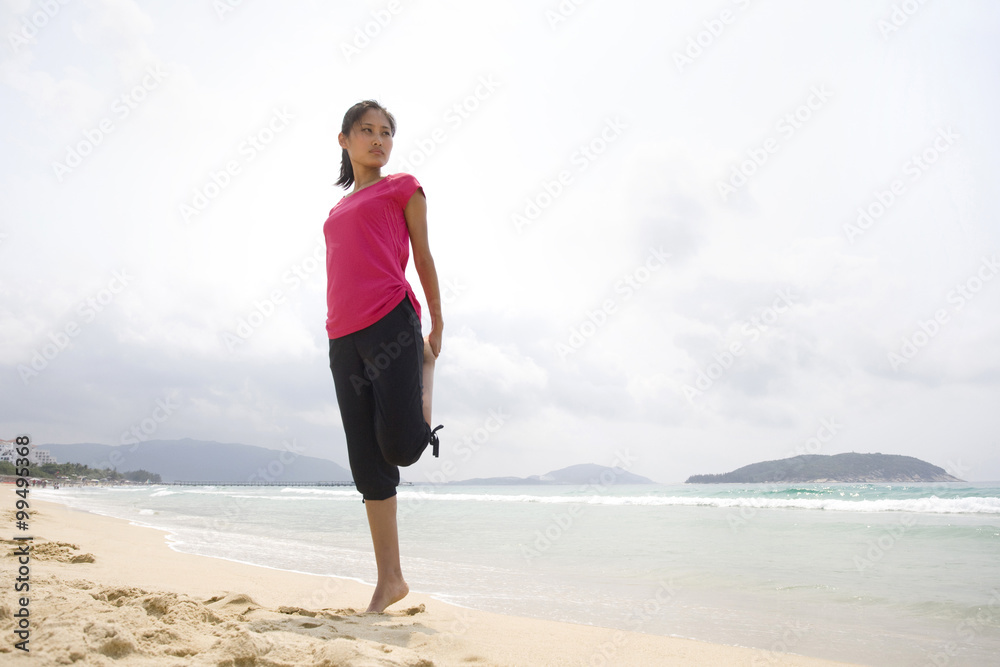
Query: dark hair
(351, 118)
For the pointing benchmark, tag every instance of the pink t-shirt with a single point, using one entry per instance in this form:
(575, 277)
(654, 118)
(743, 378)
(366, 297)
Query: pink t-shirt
(367, 247)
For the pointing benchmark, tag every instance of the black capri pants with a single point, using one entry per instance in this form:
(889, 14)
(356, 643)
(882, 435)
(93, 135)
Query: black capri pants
(378, 374)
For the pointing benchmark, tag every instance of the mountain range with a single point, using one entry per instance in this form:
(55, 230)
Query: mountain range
(190, 460)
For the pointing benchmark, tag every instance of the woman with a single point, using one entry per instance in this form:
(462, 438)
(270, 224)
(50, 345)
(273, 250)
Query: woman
(383, 368)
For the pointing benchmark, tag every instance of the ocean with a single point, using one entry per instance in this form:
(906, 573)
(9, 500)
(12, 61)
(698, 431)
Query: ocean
(877, 574)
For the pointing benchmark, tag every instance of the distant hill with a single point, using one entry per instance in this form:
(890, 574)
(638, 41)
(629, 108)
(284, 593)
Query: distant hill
(584, 473)
(847, 468)
(190, 460)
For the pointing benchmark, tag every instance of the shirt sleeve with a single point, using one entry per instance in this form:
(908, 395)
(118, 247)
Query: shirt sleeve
(407, 185)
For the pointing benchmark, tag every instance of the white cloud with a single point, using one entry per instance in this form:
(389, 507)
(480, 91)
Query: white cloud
(516, 297)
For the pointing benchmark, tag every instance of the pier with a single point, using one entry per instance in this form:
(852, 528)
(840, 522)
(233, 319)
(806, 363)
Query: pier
(254, 483)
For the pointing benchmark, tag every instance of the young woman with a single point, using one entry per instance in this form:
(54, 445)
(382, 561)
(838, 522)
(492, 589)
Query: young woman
(383, 368)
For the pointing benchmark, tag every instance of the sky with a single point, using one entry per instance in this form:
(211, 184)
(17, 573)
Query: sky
(673, 237)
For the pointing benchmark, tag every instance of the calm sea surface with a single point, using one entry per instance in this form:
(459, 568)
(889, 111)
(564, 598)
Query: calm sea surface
(879, 574)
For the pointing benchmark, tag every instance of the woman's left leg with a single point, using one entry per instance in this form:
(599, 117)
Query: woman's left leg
(394, 357)
(428, 384)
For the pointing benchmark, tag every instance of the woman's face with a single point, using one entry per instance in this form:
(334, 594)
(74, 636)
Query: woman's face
(370, 140)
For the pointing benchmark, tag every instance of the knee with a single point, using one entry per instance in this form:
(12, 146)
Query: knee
(401, 457)
(401, 448)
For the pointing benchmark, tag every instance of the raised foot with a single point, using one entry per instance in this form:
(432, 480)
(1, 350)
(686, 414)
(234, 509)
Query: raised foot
(427, 373)
(387, 594)
(429, 357)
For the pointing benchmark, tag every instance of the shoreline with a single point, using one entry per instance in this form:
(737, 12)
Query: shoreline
(104, 588)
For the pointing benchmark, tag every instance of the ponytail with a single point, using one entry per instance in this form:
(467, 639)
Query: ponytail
(346, 170)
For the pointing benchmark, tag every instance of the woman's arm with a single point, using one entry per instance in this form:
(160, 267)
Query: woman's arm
(416, 222)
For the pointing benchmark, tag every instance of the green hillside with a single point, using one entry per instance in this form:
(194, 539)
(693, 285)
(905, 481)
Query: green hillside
(849, 468)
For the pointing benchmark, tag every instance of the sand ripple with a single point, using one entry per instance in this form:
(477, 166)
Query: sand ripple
(83, 623)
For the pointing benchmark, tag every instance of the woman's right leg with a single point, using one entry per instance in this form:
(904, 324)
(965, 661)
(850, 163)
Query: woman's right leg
(374, 477)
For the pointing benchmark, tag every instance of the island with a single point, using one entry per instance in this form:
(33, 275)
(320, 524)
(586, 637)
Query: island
(581, 474)
(850, 468)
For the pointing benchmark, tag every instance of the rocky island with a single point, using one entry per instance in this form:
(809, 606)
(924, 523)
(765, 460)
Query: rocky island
(850, 468)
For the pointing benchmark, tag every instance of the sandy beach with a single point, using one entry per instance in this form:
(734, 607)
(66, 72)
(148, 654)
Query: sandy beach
(104, 591)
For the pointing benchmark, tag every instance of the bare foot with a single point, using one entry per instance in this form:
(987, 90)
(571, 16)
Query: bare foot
(387, 594)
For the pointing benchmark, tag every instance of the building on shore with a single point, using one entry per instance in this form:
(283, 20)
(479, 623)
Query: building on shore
(37, 456)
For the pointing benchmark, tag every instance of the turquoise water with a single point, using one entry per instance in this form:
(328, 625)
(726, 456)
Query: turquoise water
(874, 574)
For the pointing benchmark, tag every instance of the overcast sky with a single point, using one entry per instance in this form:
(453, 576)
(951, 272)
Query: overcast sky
(678, 237)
